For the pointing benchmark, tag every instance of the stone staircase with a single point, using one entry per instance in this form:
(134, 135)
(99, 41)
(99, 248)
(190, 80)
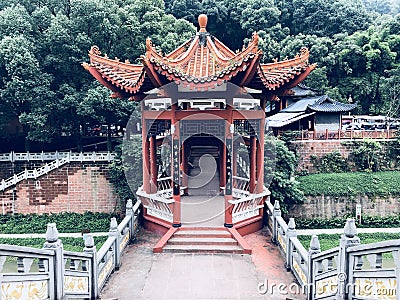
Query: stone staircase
(202, 240)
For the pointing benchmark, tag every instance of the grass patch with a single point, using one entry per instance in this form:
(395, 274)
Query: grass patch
(329, 241)
(351, 184)
(69, 243)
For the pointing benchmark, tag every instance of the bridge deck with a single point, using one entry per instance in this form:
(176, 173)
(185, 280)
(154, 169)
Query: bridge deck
(144, 275)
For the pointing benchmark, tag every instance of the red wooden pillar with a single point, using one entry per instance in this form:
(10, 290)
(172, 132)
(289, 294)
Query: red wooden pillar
(228, 160)
(176, 189)
(185, 169)
(234, 160)
(260, 159)
(153, 164)
(253, 163)
(145, 155)
(222, 166)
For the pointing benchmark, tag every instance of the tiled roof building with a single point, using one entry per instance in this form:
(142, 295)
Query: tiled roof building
(200, 63)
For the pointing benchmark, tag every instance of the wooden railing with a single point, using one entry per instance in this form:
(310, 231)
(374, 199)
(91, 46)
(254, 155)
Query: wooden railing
(164, 187)
(345, 134)
(247, 207)
(350, 271)
(241, 186)
(52, 273)
(157, 205)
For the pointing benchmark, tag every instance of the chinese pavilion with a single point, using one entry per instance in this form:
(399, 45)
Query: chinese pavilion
(203, 108)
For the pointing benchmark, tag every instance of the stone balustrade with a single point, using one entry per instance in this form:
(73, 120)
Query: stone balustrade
(46, 156)
(53, 273)
(58, 160)
(349, 271)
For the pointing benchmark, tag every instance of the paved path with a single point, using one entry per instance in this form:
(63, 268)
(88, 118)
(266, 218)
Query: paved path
(144, 275)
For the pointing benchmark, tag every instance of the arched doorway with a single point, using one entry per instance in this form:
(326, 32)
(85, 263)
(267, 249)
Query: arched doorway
(203, 203)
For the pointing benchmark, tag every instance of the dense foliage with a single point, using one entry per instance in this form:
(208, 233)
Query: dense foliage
(66, 222)
(356, 44)
(279, 177)
(365, 156)
(351, 184)
(126, 169)
(42, 46)
(332, 162)
(339, 222)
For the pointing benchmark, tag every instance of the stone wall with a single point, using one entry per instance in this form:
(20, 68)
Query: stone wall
(306, 149)
(74, 187)
(330, 207)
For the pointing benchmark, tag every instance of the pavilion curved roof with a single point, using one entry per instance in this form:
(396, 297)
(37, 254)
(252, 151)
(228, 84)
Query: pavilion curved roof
(201, 63)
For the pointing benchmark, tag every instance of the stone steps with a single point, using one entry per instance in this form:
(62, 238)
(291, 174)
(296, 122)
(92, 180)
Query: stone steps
(202, 233)
(203, 249)
(202, 240)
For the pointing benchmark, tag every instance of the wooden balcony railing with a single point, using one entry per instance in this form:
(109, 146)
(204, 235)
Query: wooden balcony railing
(344, 134)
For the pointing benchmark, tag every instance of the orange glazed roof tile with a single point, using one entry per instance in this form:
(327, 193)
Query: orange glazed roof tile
(200, 63)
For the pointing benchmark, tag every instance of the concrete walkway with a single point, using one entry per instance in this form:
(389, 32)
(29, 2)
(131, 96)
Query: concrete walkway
(144, 275)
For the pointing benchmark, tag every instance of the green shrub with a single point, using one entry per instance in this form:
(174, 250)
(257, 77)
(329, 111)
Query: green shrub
(69, 243)
(330, 163)
(368, 156)
(366, 222)
(282, 185)
(351, 184)
(66, 222)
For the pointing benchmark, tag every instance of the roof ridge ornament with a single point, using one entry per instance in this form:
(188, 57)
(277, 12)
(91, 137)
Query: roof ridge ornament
(202, 22)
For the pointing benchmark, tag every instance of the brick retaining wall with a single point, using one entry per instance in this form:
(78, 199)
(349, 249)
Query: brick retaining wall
(75, 187)
(306, 149)
(330, 207)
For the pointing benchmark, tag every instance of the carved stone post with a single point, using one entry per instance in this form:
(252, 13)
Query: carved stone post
(315, 248)
(276, 213)
(291, 232)
(114, 232)
(129, 212)
(54, 243)
(348, 239)
(90, 248)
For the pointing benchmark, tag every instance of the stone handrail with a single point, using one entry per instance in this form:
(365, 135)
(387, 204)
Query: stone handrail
(52, 273)
(339, 273)
(45, 156)
(367, 268)
(61, 158)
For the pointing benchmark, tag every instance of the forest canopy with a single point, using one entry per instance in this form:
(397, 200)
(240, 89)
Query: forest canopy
(356, 44)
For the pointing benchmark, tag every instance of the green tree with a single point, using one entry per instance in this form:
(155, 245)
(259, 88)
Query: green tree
(24, 88)
(283, 187)
(103, 109)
